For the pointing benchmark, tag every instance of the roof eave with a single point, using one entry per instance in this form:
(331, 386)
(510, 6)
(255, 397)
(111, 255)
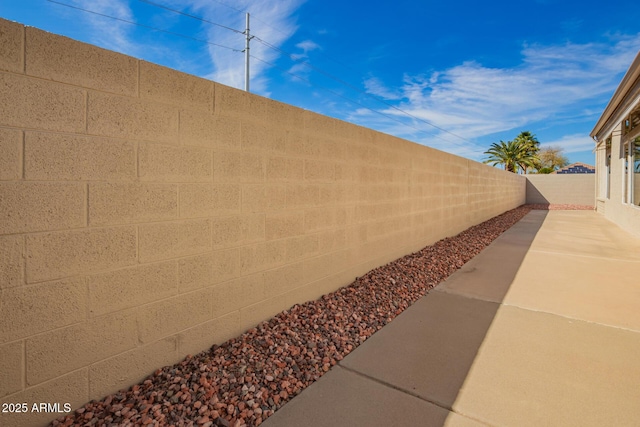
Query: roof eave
(624, 87)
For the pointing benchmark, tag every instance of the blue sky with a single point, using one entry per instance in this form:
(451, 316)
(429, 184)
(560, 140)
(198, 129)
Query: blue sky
(480, 72)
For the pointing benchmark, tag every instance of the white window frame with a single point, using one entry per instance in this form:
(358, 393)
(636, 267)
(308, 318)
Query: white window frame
(607, 159)
(624, 158)
(630, 139)
(633, 143)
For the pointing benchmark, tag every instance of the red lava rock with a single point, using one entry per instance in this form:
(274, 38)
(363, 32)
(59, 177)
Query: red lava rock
(560, 207)
(244, 380)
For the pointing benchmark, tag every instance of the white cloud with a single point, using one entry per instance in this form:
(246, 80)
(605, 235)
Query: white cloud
(109, 33)
(553, 84)
(271, 21)
(375, 87)
(302, 67)
(572, 143)
(307, 46)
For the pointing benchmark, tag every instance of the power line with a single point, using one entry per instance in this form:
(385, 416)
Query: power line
(214, 23)
(254, 17)
(357, 89)
(144, 26)
(190, 16)
(290, 55)
(342, 64)
(308, 64)
(351, 100)
(229, 28)
(230, 7)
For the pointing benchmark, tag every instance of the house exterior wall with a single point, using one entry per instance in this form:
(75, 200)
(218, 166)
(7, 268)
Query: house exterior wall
(146, 214)
(618, 196)
(613, 206)
(575, 189)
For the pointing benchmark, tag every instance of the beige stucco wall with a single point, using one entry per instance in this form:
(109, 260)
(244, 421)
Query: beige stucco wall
(577, 189)
(146, 214)
(625, 215)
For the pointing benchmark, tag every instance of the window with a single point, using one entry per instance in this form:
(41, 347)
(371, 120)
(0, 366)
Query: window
(624, 156)
(630, 156)
(635, 161)
(608, 163)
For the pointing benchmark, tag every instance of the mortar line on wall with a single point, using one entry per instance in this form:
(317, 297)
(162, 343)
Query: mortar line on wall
(24, 50)
(24, 364)
(24, 258)
(23, 154)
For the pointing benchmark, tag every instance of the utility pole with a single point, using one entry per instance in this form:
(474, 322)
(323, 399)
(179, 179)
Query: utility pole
(246, 56)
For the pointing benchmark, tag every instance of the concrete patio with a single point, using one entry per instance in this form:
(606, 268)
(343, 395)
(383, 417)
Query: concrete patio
(541, 328)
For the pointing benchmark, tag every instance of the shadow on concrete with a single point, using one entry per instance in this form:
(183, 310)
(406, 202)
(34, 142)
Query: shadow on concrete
(411, 371)
(534, 196)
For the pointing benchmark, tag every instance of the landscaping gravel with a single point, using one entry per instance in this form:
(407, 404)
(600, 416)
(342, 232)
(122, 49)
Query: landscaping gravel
(560, 207)
(245, 380)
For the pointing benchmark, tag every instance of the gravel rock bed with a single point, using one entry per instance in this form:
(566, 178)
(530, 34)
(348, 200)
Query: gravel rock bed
(559, 207)
(245, 380)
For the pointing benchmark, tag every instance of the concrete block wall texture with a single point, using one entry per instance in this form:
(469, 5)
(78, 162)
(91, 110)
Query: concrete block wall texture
(577, 189)
(146, 214)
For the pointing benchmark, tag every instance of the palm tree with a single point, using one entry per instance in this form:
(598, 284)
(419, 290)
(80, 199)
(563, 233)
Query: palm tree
(531, 143)
(514, 155)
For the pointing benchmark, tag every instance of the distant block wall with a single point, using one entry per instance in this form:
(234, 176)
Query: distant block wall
(146, 214)
(573, 189)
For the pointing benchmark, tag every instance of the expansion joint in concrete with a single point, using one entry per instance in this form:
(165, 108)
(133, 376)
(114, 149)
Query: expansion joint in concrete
(408, 392)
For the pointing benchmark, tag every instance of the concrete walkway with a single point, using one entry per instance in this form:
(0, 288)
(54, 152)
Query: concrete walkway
(541, 329)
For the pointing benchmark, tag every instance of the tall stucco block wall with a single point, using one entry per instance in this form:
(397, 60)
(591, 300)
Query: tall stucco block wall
(576, 189)
(147, 214)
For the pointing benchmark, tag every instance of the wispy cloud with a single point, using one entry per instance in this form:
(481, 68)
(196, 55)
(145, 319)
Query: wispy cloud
(109, 33)
(301, 68)
(473, 100)
(307, 46)
(375, 87)
(572, 143)
(271, 20)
